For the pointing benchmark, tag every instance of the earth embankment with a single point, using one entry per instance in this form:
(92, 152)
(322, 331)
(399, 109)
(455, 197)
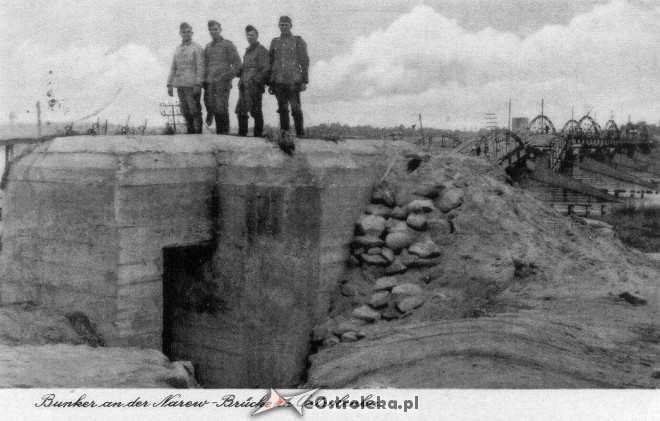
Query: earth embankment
(514, 295)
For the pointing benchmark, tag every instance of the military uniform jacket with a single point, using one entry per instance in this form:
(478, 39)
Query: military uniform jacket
(289, 62)
(222, 62)
(256, 65)
(187, 66)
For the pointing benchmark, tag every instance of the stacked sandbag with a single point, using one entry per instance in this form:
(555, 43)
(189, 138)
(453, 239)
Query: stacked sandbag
(393, 237)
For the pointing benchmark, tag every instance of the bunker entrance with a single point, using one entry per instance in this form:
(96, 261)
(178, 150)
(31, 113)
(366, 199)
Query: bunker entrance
(190, 296)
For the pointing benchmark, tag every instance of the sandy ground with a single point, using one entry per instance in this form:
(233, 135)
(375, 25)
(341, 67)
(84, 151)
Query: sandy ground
(43, 349)
(523, 297)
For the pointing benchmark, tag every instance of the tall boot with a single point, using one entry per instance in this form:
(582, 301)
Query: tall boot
(218, 123)
(258, 125)
(197, 123)
(298, 122)
(190, 125)
(222, 123)
(226, 122)
(284, 121)
(242, 125)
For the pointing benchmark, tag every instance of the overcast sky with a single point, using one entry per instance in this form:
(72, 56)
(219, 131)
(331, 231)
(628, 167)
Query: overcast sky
(373, 62)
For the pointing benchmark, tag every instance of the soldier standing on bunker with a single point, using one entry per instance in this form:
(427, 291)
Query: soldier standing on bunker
(289, 65)
(222, 65)
(254, 74)
(187, 75)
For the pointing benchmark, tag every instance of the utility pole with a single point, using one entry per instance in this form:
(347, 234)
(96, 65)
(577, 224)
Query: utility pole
(491, 121)
(509, 114)
(38, 119)
(165, 108)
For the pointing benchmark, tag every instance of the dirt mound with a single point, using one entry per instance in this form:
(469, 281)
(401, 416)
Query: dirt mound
(486, 287)
(23, 324)
(44, 349)
(65, 366)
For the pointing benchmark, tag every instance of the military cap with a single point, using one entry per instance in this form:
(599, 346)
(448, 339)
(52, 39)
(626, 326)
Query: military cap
(214, 23)
(250, 28)
(184, 25)
(286, 19)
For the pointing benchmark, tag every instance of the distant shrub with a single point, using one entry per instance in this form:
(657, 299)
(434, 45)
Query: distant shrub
(169, 130)
(637, 227)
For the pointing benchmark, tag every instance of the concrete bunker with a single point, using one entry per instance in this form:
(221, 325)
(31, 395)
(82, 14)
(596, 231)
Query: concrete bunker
(97, 225)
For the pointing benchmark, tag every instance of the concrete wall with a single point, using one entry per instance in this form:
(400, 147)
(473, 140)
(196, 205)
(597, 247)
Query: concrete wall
(85, 221)
(283, 239)
(59, 240)
(160, 200)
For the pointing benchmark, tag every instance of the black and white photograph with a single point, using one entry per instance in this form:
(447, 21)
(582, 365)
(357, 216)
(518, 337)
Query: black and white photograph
(216, 209)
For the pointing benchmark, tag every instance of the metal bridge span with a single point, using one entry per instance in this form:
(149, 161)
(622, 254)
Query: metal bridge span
(550, 171)
(507, 148)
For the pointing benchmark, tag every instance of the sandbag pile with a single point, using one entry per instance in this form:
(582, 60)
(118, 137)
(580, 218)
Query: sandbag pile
(393, 237)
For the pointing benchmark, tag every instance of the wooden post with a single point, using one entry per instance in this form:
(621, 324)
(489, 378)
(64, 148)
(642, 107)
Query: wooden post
(173, 118)
(38, 119)
(421, 128)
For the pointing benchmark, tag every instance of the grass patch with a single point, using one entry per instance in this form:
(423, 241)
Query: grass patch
(637, 227)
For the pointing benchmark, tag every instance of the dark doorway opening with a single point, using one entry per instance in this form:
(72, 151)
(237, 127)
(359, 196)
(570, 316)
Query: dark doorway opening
(188, 287)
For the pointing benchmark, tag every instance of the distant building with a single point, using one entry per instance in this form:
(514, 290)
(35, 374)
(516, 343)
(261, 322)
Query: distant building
(519, 124)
